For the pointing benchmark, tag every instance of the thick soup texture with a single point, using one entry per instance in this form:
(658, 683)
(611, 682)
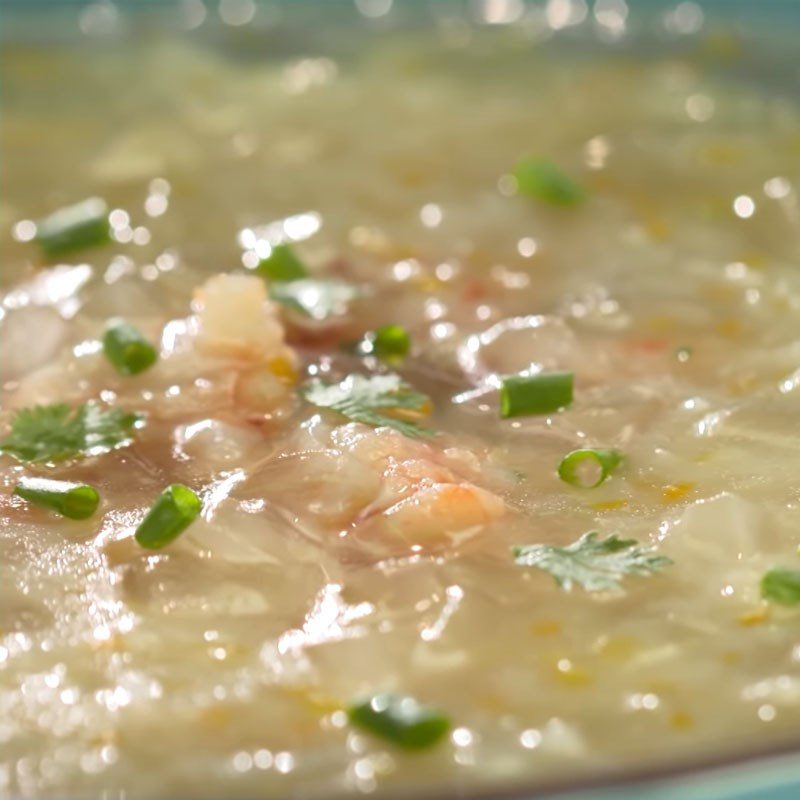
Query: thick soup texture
(289, 499)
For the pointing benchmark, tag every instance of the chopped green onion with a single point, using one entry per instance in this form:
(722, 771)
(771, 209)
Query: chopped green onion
(73, 500)
(74, 227)
(523, 395)
(282, 265)
(587, 468)
(174, 510)
(400, 720)
(781, 586)
(543, 180)
(127, 349)
(389, 343)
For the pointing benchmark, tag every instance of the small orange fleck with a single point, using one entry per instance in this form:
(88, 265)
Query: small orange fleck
(719, 294)
(657, 229)
(427, 284)
(744, 384)
(721, 154)
(546, 627)
(729, 328)
(108, 736)
(754, 260)
(475, 290)
(648, 344)
(676, 491)
(571, 675)
(412, 175)
(493, 702)
(600, 182)
(609, 505)
(282, 368)
(216, 717)
(755, 616)
(617, 648)
(314, 700)
(662, 323)
(411, 413)
(730, 657)
(681, 720)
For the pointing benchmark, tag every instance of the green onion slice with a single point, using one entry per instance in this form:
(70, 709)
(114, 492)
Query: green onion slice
(282, 265)
(174, 510)
(390, 343)
(72, 228)
(543, 180)
(127, 349)
(400, 720)
(587, 468)
(73, 500)
(781, 586)
(524, 395)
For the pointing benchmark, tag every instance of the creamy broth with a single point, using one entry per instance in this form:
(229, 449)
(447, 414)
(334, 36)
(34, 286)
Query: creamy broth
(334, 559)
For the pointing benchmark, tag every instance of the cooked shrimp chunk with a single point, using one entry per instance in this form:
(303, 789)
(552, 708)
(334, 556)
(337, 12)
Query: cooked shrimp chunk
(454, 509)
(236, 319)
(400, 492)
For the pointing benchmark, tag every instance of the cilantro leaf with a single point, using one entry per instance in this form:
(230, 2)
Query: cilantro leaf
(57, 432)
(317, 299)
(598, 565)
(375, 400)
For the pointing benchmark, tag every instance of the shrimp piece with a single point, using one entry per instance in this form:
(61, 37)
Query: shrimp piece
(456, 510)
(236, 322)
(418, 494)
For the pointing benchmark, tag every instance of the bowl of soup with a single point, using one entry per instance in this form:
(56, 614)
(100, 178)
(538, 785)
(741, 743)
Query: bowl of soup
(400, 399)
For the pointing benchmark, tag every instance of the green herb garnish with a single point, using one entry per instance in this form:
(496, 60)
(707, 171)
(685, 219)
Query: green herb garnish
(57, 432)
(282, 265)
(375, 400)
(73, 500)
(389, 343)
(72, 228)
(317, 299)
(587, 467)
(400, 720)
(543, 180)
(524, 395)
(174, 510)
(598, 565)
(127, 349)
(781, 586)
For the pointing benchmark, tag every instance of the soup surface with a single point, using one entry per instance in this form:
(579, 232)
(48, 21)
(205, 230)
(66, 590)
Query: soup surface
(541, 199)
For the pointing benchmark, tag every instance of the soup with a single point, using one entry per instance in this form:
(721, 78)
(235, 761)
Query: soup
(413, 409)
